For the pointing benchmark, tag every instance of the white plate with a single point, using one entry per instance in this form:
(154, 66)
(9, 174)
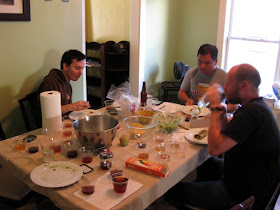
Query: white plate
(168, 107)
(188, 110)
(78, 114)
(189, 135)
(56, 174)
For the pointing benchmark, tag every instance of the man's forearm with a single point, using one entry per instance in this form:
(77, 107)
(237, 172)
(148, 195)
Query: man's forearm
(65, 108)
(217, 122)
(183, 97)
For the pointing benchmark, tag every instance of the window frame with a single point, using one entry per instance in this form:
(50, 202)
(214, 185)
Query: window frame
(224, 29)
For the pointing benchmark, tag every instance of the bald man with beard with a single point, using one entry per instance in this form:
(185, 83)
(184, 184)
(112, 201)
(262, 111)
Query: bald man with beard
(250, 142)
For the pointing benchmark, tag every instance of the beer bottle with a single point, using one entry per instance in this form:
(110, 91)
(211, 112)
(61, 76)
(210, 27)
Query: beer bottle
(143, 95)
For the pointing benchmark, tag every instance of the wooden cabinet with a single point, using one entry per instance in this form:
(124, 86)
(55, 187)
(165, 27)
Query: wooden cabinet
(107, 64)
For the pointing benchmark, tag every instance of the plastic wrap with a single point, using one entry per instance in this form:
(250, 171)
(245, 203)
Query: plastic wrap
(123, 95)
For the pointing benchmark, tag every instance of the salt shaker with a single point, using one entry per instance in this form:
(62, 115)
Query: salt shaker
(195, 111)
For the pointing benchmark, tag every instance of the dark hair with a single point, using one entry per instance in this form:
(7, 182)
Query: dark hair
(208, 49)
(249, 73)
(69, 55)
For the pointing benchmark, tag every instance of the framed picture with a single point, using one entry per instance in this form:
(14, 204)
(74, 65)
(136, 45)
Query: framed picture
(14, 10)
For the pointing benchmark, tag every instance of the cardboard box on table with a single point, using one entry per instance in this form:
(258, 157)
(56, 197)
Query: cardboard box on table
(147, 167)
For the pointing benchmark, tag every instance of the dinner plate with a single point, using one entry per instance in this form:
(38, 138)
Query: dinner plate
(188, 110)
(168, 107)
(189, 135)
(56, 174)
(78, 114)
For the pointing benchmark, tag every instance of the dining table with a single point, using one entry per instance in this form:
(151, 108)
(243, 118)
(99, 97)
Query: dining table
(148, 187)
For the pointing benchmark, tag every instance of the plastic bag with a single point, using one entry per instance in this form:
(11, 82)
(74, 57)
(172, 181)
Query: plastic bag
(123, 95)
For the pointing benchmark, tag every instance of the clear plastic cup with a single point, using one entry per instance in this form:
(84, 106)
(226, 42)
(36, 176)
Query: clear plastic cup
(47, 149)
(20, 144)
(120, 181)
(86, 153)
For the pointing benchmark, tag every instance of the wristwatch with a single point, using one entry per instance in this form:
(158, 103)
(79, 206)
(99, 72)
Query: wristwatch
(218, 108)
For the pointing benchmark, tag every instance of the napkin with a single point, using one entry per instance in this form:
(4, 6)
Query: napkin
(104, 196)
(168, 107)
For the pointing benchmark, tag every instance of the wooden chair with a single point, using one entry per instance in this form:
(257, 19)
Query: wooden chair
(95, 75)
(274, 198)
(247, 204)
(31, 111)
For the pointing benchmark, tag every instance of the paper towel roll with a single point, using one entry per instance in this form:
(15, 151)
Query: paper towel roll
(51, 111)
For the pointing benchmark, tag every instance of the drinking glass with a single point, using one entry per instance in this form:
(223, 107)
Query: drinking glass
(86, 153)
(117, 166)
(33, 145)
(149, 97)
(109, 104)
(88, 186)
(47, 148)
(19, 143)
(160, 136)
(120, 181)
(203, 101)
(163, 158)
(177, 149)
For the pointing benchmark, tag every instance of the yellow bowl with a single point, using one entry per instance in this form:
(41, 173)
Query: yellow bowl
(146, 113)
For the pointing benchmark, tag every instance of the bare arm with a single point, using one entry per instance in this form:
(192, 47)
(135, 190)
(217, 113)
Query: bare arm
(217, 142)
(80, 105)
(183, 97)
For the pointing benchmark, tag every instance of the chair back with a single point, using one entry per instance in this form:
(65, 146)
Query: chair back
(31, 111)
(247, 204)
(273, 199)
(2, 134)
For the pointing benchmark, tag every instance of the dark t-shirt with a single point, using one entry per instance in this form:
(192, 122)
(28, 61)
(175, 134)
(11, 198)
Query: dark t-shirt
(252, 166)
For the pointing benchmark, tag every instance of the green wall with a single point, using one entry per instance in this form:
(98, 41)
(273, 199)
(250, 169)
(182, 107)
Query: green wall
(107, 20)
(175, 29)
(30, 49)
(198, 25)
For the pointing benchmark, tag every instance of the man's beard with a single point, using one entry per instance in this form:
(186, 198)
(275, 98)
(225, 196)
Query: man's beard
(235, 98)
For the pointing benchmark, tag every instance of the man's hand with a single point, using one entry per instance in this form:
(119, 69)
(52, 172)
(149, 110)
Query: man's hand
(80, 105)
(77, 106)
(189, 102)
(215, 94)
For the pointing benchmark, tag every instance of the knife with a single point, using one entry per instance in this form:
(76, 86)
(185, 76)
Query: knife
(183, 127)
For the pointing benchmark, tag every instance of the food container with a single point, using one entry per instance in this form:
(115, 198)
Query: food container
(140, 126)
(167, 122)
(96, 130)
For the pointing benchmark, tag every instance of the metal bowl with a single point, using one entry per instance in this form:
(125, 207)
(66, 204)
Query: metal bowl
(96, 130)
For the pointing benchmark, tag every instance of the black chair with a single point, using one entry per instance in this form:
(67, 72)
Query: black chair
(2, 134)
(273, 199)
(31, 111)
(247, 204)
(180, 71)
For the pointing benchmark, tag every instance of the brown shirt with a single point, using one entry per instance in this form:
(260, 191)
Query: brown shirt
(55, 80)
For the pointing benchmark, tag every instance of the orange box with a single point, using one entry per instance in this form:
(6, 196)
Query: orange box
(147, 167)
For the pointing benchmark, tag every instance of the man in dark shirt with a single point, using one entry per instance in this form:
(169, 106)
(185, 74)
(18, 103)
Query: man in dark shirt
(250, 141)
(72, 65)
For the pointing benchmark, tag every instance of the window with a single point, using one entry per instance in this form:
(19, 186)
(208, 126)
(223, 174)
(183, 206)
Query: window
(252, 36)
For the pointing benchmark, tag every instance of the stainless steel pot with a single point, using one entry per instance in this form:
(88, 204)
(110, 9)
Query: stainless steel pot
(97, 130)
